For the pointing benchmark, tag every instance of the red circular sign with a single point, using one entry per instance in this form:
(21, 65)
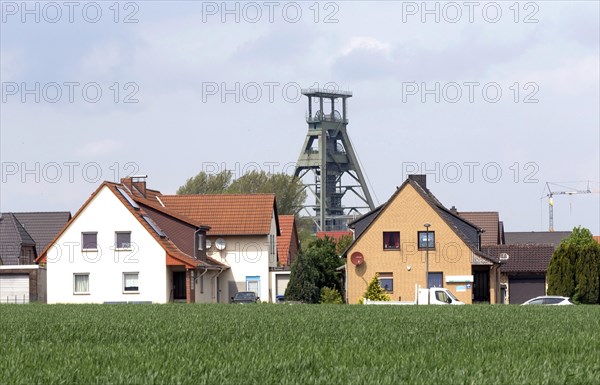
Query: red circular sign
(357, 258)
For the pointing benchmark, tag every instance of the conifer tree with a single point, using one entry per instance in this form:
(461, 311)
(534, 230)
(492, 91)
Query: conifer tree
(375, 292)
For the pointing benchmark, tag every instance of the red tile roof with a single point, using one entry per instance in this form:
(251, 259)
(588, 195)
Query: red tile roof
(287, 224)
(489, 221)
(335, 235)
(227, 214)
(174, 255)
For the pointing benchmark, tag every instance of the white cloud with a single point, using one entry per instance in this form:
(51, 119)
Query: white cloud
(103, 59)
(11, 63)
(365, 43)
(571, 77)
(99, 148)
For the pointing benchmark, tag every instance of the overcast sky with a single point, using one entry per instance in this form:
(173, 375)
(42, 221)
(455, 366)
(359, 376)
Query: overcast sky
(492, 100)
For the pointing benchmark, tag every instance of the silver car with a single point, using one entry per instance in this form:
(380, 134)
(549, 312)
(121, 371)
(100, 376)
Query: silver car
(549, 300)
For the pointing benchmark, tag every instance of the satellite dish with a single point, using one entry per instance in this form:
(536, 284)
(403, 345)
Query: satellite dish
(357, 258)
(220, 244)
(208, 244)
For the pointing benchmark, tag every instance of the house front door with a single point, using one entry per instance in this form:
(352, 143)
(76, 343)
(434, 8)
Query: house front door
(481, 285)
(179, 285)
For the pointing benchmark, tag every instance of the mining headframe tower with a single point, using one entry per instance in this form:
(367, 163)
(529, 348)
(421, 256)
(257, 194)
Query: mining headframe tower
(328, 155)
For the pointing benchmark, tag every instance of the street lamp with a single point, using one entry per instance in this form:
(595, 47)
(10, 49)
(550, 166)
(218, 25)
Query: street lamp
(427, 255)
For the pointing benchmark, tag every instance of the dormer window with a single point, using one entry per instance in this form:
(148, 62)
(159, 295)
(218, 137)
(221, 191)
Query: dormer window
(201, 242)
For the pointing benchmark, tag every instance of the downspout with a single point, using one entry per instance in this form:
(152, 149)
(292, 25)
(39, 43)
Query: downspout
(346, 281)
(199, 279)
(215, 278)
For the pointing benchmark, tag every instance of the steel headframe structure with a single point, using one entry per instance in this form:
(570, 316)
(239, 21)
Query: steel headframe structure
(327, 153)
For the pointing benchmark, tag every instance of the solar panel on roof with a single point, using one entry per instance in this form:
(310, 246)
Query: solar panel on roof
(128, 198)
(154, 226)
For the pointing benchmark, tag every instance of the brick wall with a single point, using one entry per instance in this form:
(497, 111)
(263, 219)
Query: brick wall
(408, 213)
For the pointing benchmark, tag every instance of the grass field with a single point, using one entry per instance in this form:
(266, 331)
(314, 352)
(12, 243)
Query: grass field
(299, 344)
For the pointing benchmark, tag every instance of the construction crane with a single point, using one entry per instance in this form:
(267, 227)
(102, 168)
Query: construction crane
(551, 193)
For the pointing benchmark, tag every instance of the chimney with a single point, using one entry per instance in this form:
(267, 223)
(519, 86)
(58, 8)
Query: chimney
(453, 210)
(420, 179)
(136, 184)
(127, 183)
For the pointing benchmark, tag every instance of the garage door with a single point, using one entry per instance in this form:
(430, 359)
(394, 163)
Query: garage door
(281, 283)
(14, 288)
(521, 289)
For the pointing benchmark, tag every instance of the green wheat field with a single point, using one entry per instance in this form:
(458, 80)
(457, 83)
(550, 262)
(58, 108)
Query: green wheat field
(299, 344)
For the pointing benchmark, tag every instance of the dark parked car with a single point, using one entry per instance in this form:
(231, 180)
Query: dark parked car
(549, 300)
(245, 297)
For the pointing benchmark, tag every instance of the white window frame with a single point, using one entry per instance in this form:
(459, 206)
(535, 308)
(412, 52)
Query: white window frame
(83, 248)
(75, 275)
(138, 279)
(386, 276)
(116, 237)
(253, 278)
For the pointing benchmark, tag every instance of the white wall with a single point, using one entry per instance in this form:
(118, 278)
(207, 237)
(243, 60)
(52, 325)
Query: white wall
(273, 258)
(273, 277)
(105, 214)
(246, 256)
(205, 286)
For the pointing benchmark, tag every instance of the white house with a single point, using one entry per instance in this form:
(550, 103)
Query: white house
(118, 248)
(243, 236)
(128, 243)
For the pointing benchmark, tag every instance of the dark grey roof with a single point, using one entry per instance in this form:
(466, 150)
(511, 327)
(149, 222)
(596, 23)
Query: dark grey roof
(538, 237)
(12, 237)
(361, 223)
(529, 258)
(467, 231)
(43, 226)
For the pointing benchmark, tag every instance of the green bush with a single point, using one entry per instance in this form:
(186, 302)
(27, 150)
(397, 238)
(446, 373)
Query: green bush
(331, 296)
(574, 269)
(375, 292)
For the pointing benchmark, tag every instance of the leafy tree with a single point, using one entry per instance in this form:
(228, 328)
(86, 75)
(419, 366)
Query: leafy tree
(326, 261)
(313, 269)
(375, 292)
(204, 183)
(288, 189)
(343, 243)
(253, 182)
(331, 296)
(574, 269)
(303, 278)
(305, 231)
